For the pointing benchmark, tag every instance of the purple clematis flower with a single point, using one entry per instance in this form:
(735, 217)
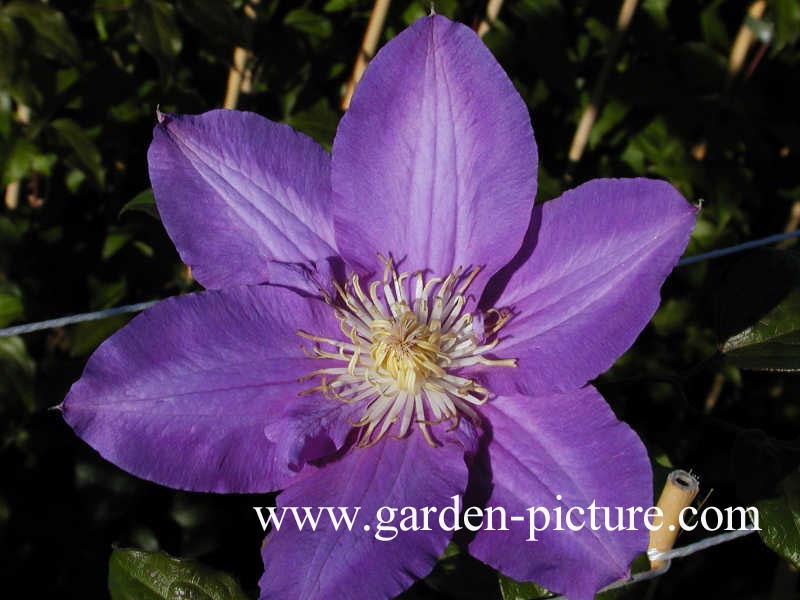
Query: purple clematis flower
(392, 324)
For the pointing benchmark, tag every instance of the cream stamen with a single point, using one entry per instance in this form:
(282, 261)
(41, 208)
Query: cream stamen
(401, 350)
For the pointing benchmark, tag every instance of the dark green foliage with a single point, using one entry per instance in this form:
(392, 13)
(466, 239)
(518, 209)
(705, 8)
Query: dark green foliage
(85, 235)
(138, 575)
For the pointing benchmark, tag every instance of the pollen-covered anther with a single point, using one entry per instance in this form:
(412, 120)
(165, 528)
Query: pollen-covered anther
(404, 343)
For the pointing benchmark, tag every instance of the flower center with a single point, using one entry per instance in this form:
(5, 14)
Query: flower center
(405, 344)
(406, 350)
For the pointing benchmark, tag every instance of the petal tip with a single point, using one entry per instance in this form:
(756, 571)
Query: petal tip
(162, 117)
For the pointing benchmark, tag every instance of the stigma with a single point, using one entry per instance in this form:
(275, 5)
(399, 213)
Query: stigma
(405, 340)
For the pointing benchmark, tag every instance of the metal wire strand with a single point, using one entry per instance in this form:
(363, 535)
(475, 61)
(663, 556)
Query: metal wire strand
(140, 306)
(668, 555)
(70, 320)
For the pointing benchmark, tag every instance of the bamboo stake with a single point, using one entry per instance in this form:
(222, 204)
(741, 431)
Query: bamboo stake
(240, 74)
(12, 195)
(714, 392)
(23, 116)
(369, 46)
(744, 39)
(589, 115)
(492, 11)
(736, 58)
(678, 493)
(791, 224)
(739, 50)
(235, 75)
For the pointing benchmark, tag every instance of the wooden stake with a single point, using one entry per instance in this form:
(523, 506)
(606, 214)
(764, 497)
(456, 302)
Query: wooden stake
(492, 11)
(235, 76)
(23, 116)
(589, 115)
(791, 224)
(744, 39)
(369, 45)
(240, 74)
(678, 493)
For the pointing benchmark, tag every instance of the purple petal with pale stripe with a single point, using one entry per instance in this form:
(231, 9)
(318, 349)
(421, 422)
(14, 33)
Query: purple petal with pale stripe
(236, 191)
(435, 160)
(182, 394)
(353, 564)
(590, 281)
(569, 445)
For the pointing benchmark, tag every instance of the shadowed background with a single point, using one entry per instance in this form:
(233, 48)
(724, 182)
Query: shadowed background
(702, 94)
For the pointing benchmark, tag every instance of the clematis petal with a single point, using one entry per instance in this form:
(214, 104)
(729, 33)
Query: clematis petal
(435, 160)
(236, 191)
(182, 394)
(590, 281)
(312, 428)
(569, 445)
(343, 564)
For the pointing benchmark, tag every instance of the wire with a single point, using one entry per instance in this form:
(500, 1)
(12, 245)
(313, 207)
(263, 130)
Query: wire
(63, 321)
(140, 306)
(690, 549)
(690, 260)
(668, 555)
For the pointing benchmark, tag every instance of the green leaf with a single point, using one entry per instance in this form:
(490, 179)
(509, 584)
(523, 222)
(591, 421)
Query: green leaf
(145, 249)
(214, 19)
(612, 116)
(43, 163)
(598, 30)
(157, 31)
(704, 65)
(114, 242)
(13, 351)
(12, 231)
(74, 180)
(138, 575)
(770, 284)
(414, 11)
(308, 22)
(85, 153)
(11, 307)
(86, 337)
(106, 294)
(787, 22)
(659, 150)
(53, 36)
(713, 27)
(779, 519)
(318, 121)
(657, 9)
(10, 43)
(142, 202)
(18, 162)
(772, 344)
(17, 370)
(338, 5)
(520, 590)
